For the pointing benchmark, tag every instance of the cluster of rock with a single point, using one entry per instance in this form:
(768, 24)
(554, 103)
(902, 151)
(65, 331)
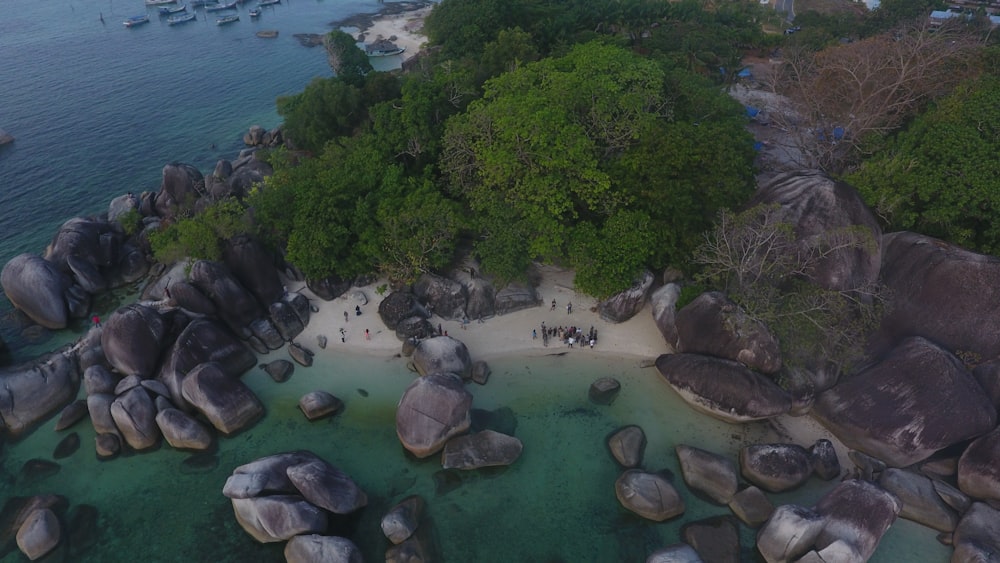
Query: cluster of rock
(89, 256)
(435, 412)
(45, 526)
(934, 355)
(257, 136)
(291, 497)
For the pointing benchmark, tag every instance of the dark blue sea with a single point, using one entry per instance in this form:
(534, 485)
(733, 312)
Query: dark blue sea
(97, 110)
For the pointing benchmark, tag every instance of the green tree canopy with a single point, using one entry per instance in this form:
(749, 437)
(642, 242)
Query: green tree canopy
(940, 176)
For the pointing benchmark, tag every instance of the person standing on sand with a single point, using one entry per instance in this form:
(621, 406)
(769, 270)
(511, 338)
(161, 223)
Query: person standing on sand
(97, 321)
(553, 308)
(343, 334)
(534, 334)
(368, 336)
(569, 308)
(346, 316)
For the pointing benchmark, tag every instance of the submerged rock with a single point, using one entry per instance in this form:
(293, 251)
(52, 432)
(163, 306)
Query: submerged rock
(649, 495)
(402, 520)
(482, 449)
(314, 548)
(39, 534)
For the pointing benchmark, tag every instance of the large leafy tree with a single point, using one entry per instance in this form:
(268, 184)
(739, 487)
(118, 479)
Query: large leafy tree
(940, 176)
(327, 108)
(530, 151)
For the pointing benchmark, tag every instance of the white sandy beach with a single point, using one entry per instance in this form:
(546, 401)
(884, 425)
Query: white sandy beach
(404, 29)
(502, 335)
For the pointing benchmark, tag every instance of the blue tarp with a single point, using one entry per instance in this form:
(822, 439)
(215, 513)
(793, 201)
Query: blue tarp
(745, 73)
(752, 111)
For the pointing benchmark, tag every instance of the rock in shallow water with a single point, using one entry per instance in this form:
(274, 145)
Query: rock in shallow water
(67, 446)
(649, 495)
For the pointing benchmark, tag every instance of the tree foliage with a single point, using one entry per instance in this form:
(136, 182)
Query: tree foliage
(756, 258)
(347, 60)
(202, 235)
(327, 108)
(847, 97)
(939, 177)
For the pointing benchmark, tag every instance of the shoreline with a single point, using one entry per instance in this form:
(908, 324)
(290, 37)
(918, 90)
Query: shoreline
(401, 23)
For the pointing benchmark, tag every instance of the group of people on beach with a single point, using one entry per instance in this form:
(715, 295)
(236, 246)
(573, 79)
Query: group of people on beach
(568, 335)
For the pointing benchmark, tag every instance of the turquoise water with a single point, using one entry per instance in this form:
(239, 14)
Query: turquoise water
(556, 503)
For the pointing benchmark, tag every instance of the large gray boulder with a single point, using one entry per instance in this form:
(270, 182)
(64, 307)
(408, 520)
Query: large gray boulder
(819, 207)
(99, 407)
(255, 268)
(515, 296)
(39, 533)
(751, 506)
(314, 548)
(182, 431)
(37, 287)
(627, 446)
(988, 376)
(789, 533)
(135, 416)
(649, 495)
(329, 288)
(480, 297)
(977, 537)
(224, 400)
(32, 392)
(278, 517)
(664, 304)
(286, 320)
(234, 304)
(979, 468)
(190, 298)
(90, 241)
(319, 404)
(857, 513)
(399, 305)
(203, 341)
(482, 449)
(942, 292)
(775, 467)
(902, 409)
(267, 475)
(442, 354)
(714, 325)
(722, 388)
(920, 500)
(133, 338)
(247, 175)
(624, 305)
(445, 297)
(712, 475)
(401, 521)
(433, 409)
(182, 186)
(326, 486)
(677, 553)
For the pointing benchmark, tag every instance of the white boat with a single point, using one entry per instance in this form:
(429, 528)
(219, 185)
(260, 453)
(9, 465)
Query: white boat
(166, 11)
(174, 20)
(220, 7)
(159, 2)
(268, 2)
(136, 20)
(227, 19)
(254, 12)
(383, 48)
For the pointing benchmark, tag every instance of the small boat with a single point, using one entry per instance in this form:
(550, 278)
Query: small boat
(254, 12)
(383, 48)
(220, 7)
(166, 11)
(174, 20)
(136, 20)
(201, 3)
(227, 19)
(159, 2)
(268, 3)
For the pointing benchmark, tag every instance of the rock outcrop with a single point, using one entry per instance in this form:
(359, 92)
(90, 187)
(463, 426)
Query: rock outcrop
(901, 410)
(433, 409)
(710, 474)
(442, 354)
(714, 325)
(37, 287)
(624, 305)
(722, 388)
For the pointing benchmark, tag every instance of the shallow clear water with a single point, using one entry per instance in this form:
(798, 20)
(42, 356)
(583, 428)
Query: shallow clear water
(556, 502)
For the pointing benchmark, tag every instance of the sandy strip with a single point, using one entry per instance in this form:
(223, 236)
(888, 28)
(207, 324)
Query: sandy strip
(505, 335)
(405, 29)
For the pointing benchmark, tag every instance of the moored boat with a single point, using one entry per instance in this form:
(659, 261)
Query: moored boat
(136, 20)
(166, 11)
(219, 7)
(159, 2)
(254, 12)
(174, 20)
(383, 48)
(227, 19)
(268, 2)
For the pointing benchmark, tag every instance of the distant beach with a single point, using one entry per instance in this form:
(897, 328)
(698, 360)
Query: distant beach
(399, 22)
